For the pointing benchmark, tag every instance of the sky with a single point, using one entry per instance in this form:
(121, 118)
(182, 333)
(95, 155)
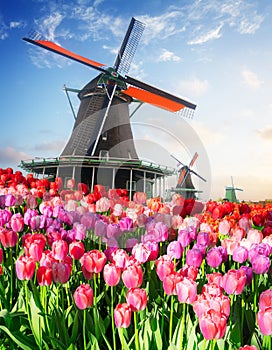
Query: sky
(215, 53)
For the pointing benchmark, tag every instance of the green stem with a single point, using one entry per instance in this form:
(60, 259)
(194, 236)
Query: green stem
(213, 342)
(163, 308)
(204, 344)
(182, 325)
(112, 318)
(171, 318)
(11, 275)
(121, 337)
(136, 332)
(84, 330)
(95, 314)
(242, 318)
(28, 314)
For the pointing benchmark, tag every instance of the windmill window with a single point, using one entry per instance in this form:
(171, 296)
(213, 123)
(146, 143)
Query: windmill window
(105, 136)
(104, 154)
(131, 186)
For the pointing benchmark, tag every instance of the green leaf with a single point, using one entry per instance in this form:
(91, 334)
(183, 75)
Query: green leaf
(154, 323)
(20, 339)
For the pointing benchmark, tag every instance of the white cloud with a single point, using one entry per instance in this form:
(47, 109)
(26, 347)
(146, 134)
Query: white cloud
(209, 136)
(205, 37)
(16, 24)
(168, 56)
(266, 133)
(251, 79)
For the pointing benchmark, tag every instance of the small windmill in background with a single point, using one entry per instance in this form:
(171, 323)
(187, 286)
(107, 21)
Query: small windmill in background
(230, 192)
(184, 184)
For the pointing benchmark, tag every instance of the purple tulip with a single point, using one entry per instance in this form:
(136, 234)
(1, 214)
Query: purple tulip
(203, 238)
(260, 264)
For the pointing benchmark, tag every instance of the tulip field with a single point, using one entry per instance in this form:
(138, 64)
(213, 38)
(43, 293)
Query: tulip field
(95, 270)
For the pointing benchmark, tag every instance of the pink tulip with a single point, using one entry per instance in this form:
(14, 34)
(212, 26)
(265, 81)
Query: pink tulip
(1, 255)
(102, 205)
(174, 249)
(164, 266)
(47, 259)
(44, 276)
(194, 257)
(224, 227)
(141, 252)
(71, 183)
(234, 281)
(61, 271)
(60, 249)
(240, 254)
(261, 264)
(136, 299)
(122, 315)
(100, 228)
(25, 268)
(265, 299)
(126, 224)
(83, 296)
(132, 276)
(248, 347)
(186, 290)
(190, 272)
(120, 258)
(17, 222)
(264, 319)
(76, 249)
(213, 325)
(170, 281)
(216, 256)
(111, 274)
(153, 248)
(93, 261)
(139, 197)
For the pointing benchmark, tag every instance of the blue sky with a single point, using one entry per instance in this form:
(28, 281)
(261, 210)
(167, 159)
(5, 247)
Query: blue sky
(216, 53)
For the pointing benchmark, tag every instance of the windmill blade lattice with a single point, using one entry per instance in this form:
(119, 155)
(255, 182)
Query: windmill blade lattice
(129, 46)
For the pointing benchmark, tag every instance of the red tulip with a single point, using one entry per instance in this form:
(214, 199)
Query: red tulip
(213, 325)
(136, 299)
(248, 347)
(25, 268)
(83, 296)
(234, 281)
(122, 315)
(111, 274)
(8, 238)
(76, 249)
(1, 255)
(132, 276)
(44, 276)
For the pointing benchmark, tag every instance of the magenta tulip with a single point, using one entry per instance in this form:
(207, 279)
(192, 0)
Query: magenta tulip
(264, 319)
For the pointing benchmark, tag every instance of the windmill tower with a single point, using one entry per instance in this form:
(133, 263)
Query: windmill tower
(230, 192)
(101, 147)
(184, 184)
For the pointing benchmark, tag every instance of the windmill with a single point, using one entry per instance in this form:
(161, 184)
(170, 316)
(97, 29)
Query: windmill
(184, 184)
(230, 192)
(102, 132)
